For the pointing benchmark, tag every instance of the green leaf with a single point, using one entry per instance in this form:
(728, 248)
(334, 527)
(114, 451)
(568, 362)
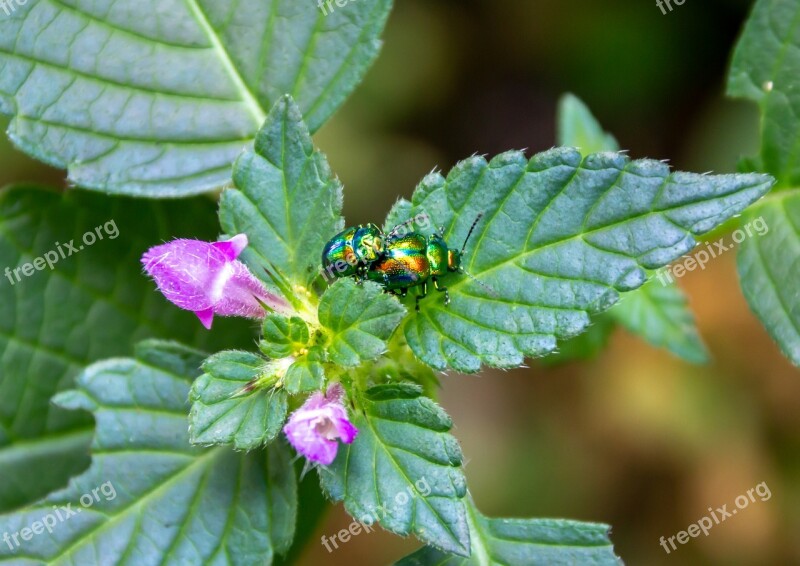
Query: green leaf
(765, 66)
(769, 269)
(312, 509)
(562, 236)
(403, 469)
(225, 412)
(158, 499)
(359, 319)
(545, 542)
(94, 303)
(158, 98)
(307, 373)
(400, 212)
(660, 316)
(659, 312)
(283, 336)
(288, 202)
(577, 127)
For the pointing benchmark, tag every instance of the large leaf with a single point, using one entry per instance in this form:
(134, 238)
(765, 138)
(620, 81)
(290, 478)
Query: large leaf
(769, 269)
(162, 501)
(544, 542)
(224, 412)
(359, 320)
(765, 67)
(562, 236)
(659, 315)
(93, 304)
(403, 470)
(287, 200)
(158, 97)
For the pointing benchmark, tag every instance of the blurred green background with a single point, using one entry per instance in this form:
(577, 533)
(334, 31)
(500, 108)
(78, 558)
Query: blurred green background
(635, 437)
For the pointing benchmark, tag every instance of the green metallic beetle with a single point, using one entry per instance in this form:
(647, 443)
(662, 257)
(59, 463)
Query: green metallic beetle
(352, 251)
(413, 259)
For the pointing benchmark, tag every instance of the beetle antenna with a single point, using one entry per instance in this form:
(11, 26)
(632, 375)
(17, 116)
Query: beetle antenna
(488, 289)
(472, 229)
(400, 227)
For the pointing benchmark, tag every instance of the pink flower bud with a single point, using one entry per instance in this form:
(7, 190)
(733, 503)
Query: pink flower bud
(315, 428)
(207, 279)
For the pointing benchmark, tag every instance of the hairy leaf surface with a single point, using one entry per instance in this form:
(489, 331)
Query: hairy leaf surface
(154, 498)
(157, 97)
(403, 470)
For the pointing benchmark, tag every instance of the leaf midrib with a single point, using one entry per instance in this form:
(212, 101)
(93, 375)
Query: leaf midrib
(663, 211)
(250, 100)
(380, 440)
(164, 485)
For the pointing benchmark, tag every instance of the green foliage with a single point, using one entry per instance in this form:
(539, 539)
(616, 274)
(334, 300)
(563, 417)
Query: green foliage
(158, 98)
(562, 237)
(283, 336)
(404, 469)
(545, 542)
(164, 501)
(577, 127)
(307, 373)
(660, 316)
(769, 270)
(287, 200)
(359, 319)
(226, 411)
(764, 69)
(93, 304)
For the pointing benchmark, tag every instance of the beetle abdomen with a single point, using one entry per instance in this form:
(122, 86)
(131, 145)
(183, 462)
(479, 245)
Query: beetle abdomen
(405, 264)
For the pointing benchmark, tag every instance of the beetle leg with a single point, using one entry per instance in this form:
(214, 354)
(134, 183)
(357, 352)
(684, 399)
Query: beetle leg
(403, 293)
(442, 290)
(423, 295)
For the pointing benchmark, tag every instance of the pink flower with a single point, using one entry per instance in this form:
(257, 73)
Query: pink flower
(315, 428)
(207, 279)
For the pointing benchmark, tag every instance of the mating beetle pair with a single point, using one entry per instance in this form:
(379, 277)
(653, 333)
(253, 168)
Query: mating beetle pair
(396, 260)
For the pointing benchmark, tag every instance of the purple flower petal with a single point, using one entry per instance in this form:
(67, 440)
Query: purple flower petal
(206, 317)
(233, 247)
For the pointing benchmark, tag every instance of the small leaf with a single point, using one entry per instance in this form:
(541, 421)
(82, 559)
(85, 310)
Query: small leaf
(402, 367)
(769, 268)
(360, 319)
(283, 336)
(660, 316)
(94, 303)
(403, 470)
(764, 69)
(659, 313)
(545, 542)
(307, 373)
(577, 127)
(562, 236)
(159, 500)
(287, 200)
(225, 412)
(79, 80)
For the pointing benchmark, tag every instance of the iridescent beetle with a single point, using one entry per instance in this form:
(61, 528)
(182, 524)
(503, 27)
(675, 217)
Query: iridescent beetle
(413, 259)
(352, 251)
